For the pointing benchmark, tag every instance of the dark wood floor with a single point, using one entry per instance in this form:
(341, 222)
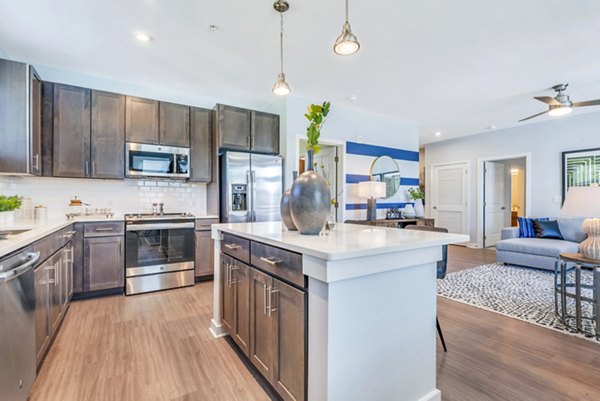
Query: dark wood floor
(156, 347)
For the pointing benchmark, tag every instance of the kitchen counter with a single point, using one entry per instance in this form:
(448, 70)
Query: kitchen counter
(371, 312)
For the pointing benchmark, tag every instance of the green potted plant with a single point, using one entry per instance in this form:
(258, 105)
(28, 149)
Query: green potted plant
(417, 196)
(316, 115)
(8, 205)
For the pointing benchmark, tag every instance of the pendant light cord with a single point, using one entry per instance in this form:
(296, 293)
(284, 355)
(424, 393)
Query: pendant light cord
(281, 42)
(346, 10)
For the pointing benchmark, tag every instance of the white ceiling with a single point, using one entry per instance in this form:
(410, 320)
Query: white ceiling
(451, 66)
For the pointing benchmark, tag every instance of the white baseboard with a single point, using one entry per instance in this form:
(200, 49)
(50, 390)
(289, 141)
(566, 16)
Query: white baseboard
(435, 395)
(216, 329)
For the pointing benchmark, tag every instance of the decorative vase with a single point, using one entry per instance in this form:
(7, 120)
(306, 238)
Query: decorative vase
(286, 212)
(310, 200)
(419, 209)
(7, 217)
(408, 212)
(590, 248)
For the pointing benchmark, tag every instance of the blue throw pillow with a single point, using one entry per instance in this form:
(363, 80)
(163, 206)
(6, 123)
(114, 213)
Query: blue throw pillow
(547, 229)
(526, 229)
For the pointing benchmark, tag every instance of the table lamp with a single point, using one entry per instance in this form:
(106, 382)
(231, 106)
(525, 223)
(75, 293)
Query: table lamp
(585, 202)
(371, 190)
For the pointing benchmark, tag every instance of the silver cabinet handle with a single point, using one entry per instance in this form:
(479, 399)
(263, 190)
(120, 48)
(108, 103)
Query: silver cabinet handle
(232, 281)
(100, 229)
(120, 247)
(69, 234)
(265, 303)
(271, 292)
(227, 274)
(272, 260)
(36, 161)
(233, 247)
(87, 168)
(93, 169)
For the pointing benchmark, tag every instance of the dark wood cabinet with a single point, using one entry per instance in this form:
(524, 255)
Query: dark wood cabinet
(265, 132)
(20, 119)
(174, 124)
(78, 258)
(228, 297)
(42, 308)
(200, 145)
(261, 324)
(204, 260)
(107, 135)
(240, 279)
(55, 292)
(71, 155)
(233, 127)
(141, 120)
(103, 262)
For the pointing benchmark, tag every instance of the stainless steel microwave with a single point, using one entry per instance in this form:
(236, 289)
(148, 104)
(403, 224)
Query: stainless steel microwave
(144, 160)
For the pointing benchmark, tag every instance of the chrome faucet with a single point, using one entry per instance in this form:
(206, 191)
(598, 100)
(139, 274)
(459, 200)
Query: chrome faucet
(161, 210)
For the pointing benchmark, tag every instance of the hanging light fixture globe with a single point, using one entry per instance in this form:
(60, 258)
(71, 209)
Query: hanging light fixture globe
(347, 43)
(281, 87)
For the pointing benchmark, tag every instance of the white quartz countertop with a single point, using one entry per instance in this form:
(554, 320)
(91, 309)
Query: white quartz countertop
(346, 241)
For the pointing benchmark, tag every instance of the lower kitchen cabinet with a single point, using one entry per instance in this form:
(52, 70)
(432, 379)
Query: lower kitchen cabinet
(103, 263)
(261, 324)
(42, 308)
(236, 291)
(204, 260)
(228, 291)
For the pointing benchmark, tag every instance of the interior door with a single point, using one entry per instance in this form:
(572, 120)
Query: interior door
(494, 208)
(267, 187)
(449, 197)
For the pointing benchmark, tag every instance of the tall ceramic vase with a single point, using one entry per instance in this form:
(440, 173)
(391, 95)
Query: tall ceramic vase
(285, 209)
(310, 200)
(419, 209)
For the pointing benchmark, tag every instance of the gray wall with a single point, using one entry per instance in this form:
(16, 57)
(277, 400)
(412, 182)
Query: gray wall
(544, 140)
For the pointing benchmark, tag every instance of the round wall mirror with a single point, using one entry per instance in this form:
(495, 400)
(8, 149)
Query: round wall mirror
(385, 169)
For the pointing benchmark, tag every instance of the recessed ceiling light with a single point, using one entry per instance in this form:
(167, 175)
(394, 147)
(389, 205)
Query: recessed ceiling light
(353, 98)
(142, 36)
(438, 133)
(213, 28)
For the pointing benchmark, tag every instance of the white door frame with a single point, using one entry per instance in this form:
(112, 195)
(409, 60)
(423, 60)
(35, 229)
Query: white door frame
(467, 164)
(341, 177)
(480, 194)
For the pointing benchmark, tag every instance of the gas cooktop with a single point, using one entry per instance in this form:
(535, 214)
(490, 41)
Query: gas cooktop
(164, 216)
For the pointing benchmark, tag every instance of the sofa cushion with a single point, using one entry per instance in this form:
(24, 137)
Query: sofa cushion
(538, 246)
(571, 228)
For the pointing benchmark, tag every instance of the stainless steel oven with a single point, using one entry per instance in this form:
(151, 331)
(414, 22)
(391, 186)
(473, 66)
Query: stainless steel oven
(159, 253)
(156, 161)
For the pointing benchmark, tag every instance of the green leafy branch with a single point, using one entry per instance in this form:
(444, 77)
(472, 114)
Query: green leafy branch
(416, 193)
(316, 115)
(9, 203)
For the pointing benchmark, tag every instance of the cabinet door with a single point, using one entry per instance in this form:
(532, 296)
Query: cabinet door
(108, 135)
(42, 310)
(66, 279)
(265, 132)
(174, 124)
(228, 293)
(241, 281)
(103, 263)
(201, 145)
(36, 122)
(261, 324)
(78, 258)
(71, 155)
(233, 127)
(288, 309)
(204, 261)
(141, 120)
(55, 292)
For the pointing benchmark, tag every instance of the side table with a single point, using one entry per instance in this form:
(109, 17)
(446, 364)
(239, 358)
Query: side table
(565, 288)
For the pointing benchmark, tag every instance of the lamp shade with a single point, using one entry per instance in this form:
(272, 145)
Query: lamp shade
(582, 202)
(371, 189)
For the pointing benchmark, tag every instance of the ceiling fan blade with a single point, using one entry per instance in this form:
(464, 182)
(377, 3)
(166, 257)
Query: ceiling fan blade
(587, 103)
(535, 115)
(548, 100)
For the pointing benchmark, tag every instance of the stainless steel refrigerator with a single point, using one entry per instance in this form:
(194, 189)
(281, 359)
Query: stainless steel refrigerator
(251, 187)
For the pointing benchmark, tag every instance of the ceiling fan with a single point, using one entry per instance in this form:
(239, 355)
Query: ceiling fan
(560, 104)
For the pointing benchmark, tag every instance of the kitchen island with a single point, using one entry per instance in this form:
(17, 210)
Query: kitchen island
(345, 316)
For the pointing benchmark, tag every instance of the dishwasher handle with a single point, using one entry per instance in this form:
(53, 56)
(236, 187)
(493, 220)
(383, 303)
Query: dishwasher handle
(32, 258)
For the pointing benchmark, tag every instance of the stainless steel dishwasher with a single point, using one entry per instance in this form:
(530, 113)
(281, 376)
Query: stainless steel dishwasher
(17, 324)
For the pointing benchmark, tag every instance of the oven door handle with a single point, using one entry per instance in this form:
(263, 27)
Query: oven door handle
(158, 226)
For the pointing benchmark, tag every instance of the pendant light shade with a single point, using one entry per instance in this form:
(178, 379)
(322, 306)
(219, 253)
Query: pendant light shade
(281, 87)
(347, 43)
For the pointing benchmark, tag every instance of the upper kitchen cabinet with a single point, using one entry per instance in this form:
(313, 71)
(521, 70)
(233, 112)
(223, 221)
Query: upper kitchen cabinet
(107, 135)
(265, 132)
(174, 125)
(247, 130)
(71, 155)
(233, 127)
(20, 119)
(141, 122)
(201, 145)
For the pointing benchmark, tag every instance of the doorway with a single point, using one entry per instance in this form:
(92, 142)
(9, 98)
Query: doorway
(504, 196)
(449, 196)
(328, 163)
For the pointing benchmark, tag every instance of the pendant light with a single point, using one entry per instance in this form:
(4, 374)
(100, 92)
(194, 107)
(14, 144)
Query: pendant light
(281, 87)
(346, 44)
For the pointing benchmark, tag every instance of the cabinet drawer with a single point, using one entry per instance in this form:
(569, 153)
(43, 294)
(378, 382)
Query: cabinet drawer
(237, 247)
(103, 229)
(279, 262)
(204, 224)
(46, 246)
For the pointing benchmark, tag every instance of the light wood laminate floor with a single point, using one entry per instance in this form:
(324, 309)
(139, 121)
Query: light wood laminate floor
(157, 347)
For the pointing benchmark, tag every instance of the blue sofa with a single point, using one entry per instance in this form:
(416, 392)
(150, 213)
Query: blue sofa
(540, 253)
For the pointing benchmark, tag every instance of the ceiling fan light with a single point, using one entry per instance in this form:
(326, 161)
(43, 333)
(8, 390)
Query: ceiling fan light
(560, 111)
(347, 43)
(281, 87)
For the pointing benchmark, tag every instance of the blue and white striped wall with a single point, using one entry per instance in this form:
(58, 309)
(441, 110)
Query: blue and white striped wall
(359, 157)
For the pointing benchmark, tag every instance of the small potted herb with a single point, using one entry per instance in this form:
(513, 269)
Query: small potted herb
(8, 205)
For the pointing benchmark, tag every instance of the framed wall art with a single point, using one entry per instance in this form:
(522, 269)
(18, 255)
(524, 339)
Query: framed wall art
(580, 168)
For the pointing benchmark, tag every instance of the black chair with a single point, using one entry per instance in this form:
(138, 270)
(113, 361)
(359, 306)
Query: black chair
(442, 266)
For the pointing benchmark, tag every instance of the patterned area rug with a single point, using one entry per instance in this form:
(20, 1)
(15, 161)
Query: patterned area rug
(517, 292)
